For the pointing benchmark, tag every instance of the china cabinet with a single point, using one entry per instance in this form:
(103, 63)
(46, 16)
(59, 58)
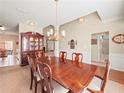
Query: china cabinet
(30, 43)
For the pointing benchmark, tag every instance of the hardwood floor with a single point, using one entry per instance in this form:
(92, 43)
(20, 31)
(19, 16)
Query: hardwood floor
(114, 75)
(117, 76)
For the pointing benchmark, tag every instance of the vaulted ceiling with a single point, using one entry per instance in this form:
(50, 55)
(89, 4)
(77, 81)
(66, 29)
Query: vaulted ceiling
(13, 12)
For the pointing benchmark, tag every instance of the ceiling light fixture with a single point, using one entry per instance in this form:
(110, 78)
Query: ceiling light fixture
(2, 27)
(55, 34)
(31, 22)
(81, 19)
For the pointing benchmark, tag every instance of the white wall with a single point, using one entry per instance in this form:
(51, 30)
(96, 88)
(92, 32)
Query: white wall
(117, 50)
(27, 28)
(82, 33)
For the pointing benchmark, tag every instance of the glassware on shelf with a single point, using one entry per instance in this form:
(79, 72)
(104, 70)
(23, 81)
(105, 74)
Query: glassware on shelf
(25, 47)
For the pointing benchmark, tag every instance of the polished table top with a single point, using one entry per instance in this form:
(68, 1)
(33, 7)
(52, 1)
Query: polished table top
(74, 77)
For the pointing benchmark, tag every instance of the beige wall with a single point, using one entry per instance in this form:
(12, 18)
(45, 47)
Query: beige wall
(82, 33)
(14, 38)
(117, 48)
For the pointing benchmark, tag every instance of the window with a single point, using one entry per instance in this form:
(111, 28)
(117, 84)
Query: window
(9, 45)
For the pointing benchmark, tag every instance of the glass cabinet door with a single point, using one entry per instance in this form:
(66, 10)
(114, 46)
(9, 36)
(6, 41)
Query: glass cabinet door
(31, 40)
(25, 43)
(36, 43)
(41, 43)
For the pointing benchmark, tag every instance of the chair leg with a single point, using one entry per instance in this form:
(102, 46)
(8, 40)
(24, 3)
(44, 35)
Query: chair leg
(31, 80)
(35, 86)
(41, 88)
(70, 91)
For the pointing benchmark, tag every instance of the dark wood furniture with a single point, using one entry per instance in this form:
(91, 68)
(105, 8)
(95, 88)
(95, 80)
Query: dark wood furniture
(30, 43)
(46, 77)
(3, 53)
(34, 74)
(72, 77)
(77, 57)
(104, 80)
(39, 54)
(62, 56)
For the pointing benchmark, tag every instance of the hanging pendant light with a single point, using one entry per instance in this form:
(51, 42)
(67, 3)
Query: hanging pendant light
(2, 27)
(55, 34)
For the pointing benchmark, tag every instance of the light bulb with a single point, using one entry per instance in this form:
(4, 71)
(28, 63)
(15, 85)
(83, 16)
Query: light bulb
(63, 33)
(48, 34)
(51, 32)
(81, 19)
(2, 28)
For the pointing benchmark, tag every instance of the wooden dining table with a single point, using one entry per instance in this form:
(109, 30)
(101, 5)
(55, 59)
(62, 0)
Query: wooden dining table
(70, 75)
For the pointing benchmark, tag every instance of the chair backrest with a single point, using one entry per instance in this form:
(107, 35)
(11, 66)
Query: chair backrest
(104, 79)
(106, 75)
(31, 63)
(62, 56)
(77, 57)
(46, 77)
(39, 54)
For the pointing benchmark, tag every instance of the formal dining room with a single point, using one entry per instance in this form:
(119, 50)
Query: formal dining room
(61, 46)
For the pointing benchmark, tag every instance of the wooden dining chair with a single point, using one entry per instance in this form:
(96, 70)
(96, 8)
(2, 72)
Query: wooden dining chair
(77, 57)
(62, 56)
(48, 85)
(46, 76)
(103, 79)
(34, 74)
(39, 54)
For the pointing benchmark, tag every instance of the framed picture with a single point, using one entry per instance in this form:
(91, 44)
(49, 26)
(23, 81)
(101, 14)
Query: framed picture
(93, 41)
(72, 43)
(119, 38)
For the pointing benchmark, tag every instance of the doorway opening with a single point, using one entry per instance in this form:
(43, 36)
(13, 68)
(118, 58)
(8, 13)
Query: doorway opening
(50, 45)
(99, 48)
(9, 50)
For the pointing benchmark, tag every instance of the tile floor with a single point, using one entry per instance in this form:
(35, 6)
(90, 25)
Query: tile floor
(10, 60)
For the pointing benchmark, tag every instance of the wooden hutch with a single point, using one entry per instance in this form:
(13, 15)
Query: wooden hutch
(30, 43)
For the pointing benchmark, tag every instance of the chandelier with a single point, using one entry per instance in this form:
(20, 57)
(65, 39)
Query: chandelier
(55, 34)
(2, 28)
